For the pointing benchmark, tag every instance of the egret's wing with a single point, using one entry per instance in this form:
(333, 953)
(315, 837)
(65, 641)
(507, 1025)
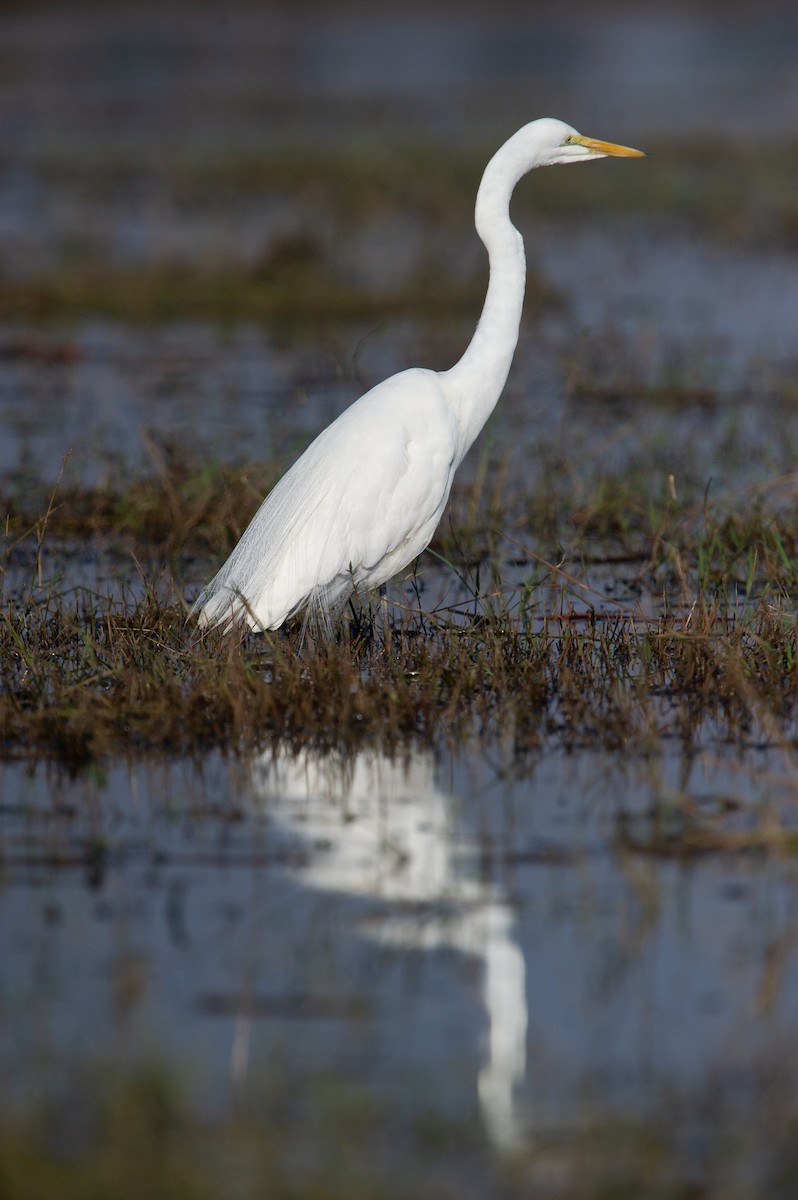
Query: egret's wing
(276, 560)
(403, 487)
(360, 503)
(390, 463)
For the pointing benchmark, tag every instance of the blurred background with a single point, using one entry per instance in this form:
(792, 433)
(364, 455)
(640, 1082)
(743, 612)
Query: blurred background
(264, 169)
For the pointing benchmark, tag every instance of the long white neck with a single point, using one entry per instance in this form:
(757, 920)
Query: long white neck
(474, 384)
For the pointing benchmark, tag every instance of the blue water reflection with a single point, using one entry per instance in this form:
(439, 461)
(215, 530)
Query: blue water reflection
(458, 936)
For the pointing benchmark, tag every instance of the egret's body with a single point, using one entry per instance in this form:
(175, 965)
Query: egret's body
(365, 498)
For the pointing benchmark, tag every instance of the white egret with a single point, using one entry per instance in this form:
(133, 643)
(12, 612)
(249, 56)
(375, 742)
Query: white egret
(366, 496)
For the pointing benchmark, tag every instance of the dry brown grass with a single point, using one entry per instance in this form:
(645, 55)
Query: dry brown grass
(526, 652)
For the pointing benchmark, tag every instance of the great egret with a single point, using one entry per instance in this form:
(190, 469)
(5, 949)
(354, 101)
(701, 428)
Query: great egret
(366, 496)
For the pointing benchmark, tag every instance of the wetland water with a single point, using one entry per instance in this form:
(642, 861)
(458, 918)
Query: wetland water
(500, 946)
(444, 955)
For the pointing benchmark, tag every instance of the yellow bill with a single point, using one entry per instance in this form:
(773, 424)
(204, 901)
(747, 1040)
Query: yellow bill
(607, 147)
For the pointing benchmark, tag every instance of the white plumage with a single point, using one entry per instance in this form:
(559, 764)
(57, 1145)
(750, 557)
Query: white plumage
(365, 498)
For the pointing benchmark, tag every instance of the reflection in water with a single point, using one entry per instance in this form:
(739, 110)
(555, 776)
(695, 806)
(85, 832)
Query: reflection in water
(380, 827)
(330, 940)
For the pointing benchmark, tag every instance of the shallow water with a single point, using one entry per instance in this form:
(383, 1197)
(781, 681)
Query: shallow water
(641, 313)
(402, 924)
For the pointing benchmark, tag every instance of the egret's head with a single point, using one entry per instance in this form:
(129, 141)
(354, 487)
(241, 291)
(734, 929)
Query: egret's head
(553, 141)
(538, 144)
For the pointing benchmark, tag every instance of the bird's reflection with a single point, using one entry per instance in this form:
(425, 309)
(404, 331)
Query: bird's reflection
(381, 827)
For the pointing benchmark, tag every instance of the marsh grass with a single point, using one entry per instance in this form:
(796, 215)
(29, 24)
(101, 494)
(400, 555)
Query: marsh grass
(135, 1133)
(279, 297)
(522, 648)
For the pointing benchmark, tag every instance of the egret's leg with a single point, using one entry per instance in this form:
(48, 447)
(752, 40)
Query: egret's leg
(386, 633)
